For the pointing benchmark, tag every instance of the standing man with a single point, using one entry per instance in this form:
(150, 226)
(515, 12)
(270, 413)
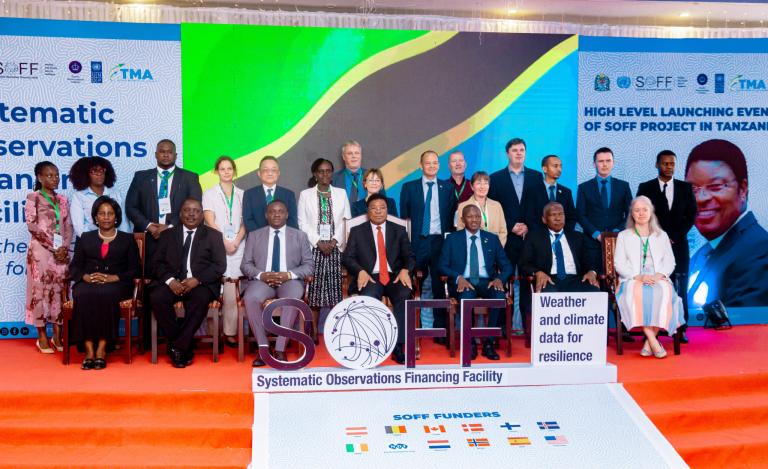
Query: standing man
(350, 178)
(552, 166)
(276, 260)
(430, 205)
(379, 260)
(189, 264)
(476, 267)
(462, 189)
(675, 208)
(256, 199)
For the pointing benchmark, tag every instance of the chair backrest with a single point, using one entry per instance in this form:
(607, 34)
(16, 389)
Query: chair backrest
(608, 250)
(140, 243)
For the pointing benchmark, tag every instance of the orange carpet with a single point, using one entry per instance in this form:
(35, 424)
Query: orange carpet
(711, 403)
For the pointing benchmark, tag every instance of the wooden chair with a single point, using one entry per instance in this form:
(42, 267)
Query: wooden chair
(129, 309)
(611, 284)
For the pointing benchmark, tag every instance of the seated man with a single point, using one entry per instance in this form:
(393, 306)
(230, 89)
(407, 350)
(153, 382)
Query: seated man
(188, 265)
(558, 258)
(378, 258)
(477, 267)
(276, 260)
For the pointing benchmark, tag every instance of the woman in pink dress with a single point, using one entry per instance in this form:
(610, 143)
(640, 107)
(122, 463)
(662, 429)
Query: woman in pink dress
(48, 221)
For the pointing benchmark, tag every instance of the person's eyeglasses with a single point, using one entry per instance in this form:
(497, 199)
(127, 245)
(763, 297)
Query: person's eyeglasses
(712, 189)
(373, 180)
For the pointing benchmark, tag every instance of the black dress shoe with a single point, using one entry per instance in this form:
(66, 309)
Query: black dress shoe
(99, 364)
(683, 338)
(178, 359)
(189, 356)
(474, 351)
(489, 352)
(397, 354)
(87, 364)
(230, 343)
(257, 362)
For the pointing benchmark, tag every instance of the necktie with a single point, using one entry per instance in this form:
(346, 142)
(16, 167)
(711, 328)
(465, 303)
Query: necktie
(664, 191)
(353, 190)
(559, 256)
(185, 256)
(270, 197)
(276, 252)
(427, 220)
(474, 262)
(163, 193)
(604, 192)
(700, 258)
(383, 272)
(552, 196)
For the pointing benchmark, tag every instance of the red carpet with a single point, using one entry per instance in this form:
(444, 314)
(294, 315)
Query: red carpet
(711, 403)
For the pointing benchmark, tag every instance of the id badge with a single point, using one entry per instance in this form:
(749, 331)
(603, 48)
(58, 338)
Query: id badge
(164, 205)
(229, 232)
(325, 232)
(57, 241)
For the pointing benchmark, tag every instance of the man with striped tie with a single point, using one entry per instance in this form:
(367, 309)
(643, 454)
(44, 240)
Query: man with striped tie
(256, 199)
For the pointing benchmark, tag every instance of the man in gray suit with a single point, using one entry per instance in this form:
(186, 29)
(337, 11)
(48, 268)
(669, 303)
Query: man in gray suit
(276, 261)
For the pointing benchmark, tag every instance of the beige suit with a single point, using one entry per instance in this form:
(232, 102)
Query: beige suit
(496, 223)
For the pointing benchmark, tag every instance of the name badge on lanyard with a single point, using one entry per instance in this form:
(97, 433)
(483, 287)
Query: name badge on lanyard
(229, 229)
(58, 241)
(164, 206)
(325, 232)
(229, 232)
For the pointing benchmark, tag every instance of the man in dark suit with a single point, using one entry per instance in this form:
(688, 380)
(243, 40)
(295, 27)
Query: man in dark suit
(602, 203)
(153, 204)
(189, 263)
(378, 258)
(675, 208)
(731, 266)
(350, 177)
(430, 205)
(256, 199)
(557, 257)
(276, 260)
(552, 167)
(477, 267)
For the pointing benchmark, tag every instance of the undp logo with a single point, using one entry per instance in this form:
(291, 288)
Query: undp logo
(360, 332)
(623, 82)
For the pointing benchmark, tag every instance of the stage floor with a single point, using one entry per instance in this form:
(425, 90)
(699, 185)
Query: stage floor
(711, 403)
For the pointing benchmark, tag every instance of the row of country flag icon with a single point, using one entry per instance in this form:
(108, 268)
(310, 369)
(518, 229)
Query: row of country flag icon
(431, 429)
(558, 440)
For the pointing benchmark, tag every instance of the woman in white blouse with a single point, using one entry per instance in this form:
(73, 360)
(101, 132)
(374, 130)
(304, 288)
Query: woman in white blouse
(644, 261)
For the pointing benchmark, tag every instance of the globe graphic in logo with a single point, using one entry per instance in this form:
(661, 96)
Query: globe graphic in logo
(360, 332)
(623, 82)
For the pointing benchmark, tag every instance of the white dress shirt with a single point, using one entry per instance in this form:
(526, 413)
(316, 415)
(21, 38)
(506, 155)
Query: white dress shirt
(374, 229)
(570, 264)
(483, 272)
(434, 206)
(669, 193)
(189, 257)
(172, 169)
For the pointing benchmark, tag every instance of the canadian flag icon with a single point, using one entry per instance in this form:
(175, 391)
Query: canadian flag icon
(435, 429)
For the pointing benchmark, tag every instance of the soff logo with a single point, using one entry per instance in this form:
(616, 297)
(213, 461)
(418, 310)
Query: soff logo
(602, 82)
(123, 72)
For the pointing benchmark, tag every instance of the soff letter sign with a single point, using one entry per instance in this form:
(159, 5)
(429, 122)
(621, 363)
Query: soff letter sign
(569, 328)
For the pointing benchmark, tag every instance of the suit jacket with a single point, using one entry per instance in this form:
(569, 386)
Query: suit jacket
(208, 260)
(628, 256)
(678, 220)
(735, 270)
(309, 212)
(412, 207)
(255, 207)
(537, 253)
(564, 197)
(516, 210)
(592, 214)
(360, 207)
(141, 202)
(122, 257)
(298, 253)
(339, 180)
(497, 224)
(453, 257)
(360, 253)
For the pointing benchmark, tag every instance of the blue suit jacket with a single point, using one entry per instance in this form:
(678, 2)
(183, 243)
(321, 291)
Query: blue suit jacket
(339, 180)
(255, 207)
(412, 207)
(593, 216)
(453, 258)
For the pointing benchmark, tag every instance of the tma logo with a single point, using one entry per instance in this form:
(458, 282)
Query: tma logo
(123, 72)
(739, 83)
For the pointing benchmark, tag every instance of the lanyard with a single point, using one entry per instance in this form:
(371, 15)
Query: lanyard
(461, 191)
(55, 206)
(645, 245)
(166, 178)
(228, 200)
(323, 205)
(482, 212)
(354, 179)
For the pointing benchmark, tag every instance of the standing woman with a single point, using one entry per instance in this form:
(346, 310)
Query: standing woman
(92, 177)
(644, 261)
(322, 210)
(373, 182)
(492, 212)
(48, 221)
(223, 211)
(104, 265)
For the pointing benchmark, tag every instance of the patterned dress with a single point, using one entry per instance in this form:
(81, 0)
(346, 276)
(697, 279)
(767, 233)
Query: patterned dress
(45, 277)
(325, 290)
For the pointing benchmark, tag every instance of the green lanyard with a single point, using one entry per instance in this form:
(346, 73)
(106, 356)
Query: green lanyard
(461, 191)
(55, 206)
(645, 245)
(354, 179)
(485, 217)
(228, 200)
(324, 206)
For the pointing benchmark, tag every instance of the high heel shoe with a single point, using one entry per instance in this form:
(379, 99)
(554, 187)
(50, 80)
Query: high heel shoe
(48, 350)
(59, 348)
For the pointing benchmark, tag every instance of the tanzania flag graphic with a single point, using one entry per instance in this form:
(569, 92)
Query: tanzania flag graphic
(556, 440)
(357, 447)
(548, 425)
(472, 427)
(478, 442)
(438, 444)
(395, 430)
(435, 429)
(356, 431)
(519, 440)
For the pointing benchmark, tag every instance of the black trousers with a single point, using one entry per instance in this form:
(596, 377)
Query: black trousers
(571, 283)
(427, 259)
(397, 294)
(481, 291)
(196, 302)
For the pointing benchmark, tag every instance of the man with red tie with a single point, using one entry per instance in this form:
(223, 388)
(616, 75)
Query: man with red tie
(378, 258)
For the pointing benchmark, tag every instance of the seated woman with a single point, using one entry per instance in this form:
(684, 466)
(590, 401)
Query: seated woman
(644, 261)
(491, 211)
(104, 265)
(373, 181)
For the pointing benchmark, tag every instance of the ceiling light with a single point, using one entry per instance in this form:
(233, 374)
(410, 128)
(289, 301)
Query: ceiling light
(684, 14)
(512, 11)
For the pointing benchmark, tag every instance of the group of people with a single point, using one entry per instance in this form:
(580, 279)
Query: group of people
(475, 233)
